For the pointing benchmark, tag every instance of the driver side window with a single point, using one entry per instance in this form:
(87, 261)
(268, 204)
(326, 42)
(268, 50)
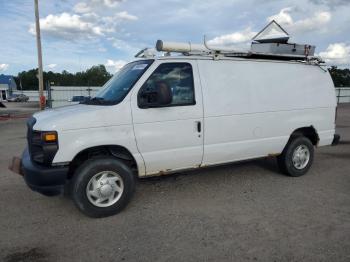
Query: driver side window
(176, 78)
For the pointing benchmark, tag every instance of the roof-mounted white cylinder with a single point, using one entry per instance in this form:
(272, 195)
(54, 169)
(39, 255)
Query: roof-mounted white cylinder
(180, 47)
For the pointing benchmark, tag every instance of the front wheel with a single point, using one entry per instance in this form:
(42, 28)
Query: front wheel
(102, 187)
(297, 157)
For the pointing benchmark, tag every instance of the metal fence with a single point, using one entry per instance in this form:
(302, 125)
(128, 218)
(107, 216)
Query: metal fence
(62, 95)
(343, 94)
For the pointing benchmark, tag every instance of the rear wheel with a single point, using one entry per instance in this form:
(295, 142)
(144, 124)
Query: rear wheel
(102, 187)
(297, 157)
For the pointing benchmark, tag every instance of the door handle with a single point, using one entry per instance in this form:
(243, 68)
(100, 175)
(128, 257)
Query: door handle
(199, 126)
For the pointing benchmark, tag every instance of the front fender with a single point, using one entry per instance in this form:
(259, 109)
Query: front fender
(72, 142)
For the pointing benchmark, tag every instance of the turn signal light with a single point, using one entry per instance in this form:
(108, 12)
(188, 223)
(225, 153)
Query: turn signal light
(50, 137)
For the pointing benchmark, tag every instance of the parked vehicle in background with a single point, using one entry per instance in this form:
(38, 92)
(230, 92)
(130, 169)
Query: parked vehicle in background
(18, 98)
(159, 115)
(78, 99)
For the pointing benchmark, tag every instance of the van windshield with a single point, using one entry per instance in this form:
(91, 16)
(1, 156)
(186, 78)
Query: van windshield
(114, 91)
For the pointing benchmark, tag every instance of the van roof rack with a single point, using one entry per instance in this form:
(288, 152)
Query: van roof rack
(270, 43)
(190, 49)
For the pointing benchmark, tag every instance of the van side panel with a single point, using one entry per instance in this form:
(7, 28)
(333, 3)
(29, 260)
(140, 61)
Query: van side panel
(252, 107)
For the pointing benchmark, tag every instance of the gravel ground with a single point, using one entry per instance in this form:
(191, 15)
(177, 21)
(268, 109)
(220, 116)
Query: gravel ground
(239, 212)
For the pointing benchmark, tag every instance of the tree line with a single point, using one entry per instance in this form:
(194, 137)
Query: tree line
(341, 77)
(98, 75)
(94, 76)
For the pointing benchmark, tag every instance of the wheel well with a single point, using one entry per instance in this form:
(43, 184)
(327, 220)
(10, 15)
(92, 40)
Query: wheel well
(118, 152)
(309, 132)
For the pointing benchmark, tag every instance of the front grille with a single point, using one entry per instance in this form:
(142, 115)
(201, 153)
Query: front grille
(37, 152)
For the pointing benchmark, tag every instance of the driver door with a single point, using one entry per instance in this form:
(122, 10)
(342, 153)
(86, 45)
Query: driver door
(170, 137)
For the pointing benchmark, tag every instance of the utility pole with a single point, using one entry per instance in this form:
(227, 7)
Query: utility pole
(40, 59)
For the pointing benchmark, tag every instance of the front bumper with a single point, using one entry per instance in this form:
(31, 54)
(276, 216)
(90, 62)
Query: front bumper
(48, 181)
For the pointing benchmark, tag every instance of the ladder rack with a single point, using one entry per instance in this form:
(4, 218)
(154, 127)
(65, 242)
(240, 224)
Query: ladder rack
(190, 49)
(271, 43)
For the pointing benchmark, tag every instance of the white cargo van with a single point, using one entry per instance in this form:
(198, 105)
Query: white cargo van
(160, 115)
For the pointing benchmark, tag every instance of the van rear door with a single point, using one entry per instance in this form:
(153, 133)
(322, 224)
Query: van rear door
(170, 137)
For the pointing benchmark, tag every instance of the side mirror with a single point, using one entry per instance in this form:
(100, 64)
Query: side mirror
(161, 96)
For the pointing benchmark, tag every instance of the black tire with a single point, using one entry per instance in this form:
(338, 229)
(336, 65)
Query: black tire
(285, 160)
(86, 171)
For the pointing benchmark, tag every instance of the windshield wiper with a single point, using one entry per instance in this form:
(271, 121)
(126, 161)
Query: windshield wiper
(98, 101)
(94, 101)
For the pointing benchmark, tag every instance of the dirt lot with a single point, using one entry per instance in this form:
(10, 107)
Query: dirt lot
(241, 212)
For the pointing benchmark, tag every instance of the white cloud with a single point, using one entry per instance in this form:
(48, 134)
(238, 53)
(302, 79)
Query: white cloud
(126, 16)
(317, 21)
(68, 26)
(81, 8)
(51, 66)
(283, 17)
(330, 3)
(234, 38)
(337, 54)
(313, 23)
(108, 3)
(3, 67)
(119, 44)
(88, 6)
(111, 23)
(102, 49)
(88, 25)
(115, 65)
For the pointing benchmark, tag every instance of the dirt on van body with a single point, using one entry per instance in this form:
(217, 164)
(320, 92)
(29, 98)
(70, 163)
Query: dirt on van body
(239, 212)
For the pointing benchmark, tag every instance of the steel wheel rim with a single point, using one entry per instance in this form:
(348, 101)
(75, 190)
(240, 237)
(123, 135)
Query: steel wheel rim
(301, 157)
(105, 189)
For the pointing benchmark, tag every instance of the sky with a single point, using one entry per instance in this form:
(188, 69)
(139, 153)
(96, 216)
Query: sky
(77, 34)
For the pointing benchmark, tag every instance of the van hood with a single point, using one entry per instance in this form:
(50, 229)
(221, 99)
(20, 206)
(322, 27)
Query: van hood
(78, 117)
